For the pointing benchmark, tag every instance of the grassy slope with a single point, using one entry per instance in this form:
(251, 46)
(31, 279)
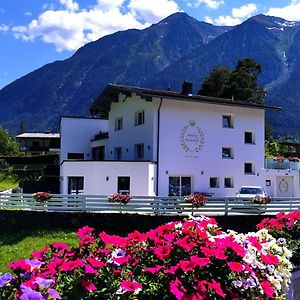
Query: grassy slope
(18, 244)
(7, 182)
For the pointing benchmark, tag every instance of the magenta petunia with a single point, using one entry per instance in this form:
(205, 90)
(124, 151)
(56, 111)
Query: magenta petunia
(88, 285)
(131, 286)
(235, 266)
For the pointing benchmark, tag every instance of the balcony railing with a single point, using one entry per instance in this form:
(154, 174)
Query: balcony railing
(282, 165)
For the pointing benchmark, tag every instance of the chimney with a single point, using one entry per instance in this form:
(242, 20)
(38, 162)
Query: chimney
(187, 88)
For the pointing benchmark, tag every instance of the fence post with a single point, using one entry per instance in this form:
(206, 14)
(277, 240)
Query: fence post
(226, 207)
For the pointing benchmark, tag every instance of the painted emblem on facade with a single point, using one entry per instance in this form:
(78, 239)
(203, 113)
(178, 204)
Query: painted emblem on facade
(191, 139)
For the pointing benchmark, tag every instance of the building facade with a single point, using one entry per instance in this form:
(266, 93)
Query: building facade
(150, 142)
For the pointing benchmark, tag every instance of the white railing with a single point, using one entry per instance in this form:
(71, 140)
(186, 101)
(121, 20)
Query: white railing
(146, 205)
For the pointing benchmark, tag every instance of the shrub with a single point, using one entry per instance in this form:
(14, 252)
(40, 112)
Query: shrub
(41, 196)
(120, 198)
(192, 259)
(196, 199)
(261, 199)
(285, 226)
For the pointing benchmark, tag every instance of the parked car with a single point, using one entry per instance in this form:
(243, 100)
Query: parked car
(250, 192)
(246, 203)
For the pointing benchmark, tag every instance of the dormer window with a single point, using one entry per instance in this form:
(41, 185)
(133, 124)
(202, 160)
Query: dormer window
(227, 121)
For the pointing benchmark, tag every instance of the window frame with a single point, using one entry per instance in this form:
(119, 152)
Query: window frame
(139, 149)
(180, 187)
(252, 168)
(118, 153)
(137, 120)
(231, 185)
(118, 123)
(252, 138)
(226, 156)
(227, 121)
(217, 183)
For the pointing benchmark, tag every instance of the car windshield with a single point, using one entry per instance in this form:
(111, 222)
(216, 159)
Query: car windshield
(252, 191)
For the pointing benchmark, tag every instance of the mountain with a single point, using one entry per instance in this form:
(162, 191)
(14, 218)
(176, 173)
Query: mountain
(162, 56)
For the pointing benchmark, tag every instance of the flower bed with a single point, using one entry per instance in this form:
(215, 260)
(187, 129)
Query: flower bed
(261, 199)
(285, 226)
(41, 196)
(192, 259)
(119, 198)
(196, 199)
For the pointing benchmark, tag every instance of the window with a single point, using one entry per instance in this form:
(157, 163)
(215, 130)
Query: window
(249, 168)
(249, 137)
(75, 185)
(139, 118)
(124, 185)
(227, 121)
(118, 124)
(75, 156)
(179, 186)
(139, 151)
(214, 182)
(228, 182)
(99, 153)
(118, 153)
(268, 182)
(227, 152)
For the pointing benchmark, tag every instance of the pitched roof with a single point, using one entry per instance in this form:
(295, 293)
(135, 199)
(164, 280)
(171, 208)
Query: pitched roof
(101, 105)
(40, 135)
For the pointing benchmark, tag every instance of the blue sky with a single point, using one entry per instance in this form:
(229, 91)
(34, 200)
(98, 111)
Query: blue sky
(36, 32)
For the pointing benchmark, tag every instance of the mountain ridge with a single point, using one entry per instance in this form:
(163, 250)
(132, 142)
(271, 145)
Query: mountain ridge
(161, 56)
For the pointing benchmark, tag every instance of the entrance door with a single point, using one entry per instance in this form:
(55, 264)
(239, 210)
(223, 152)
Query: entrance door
(75, 185)
(284, 186)
(124, 185)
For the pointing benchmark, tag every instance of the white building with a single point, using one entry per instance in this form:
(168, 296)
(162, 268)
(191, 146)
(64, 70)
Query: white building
(151, 142)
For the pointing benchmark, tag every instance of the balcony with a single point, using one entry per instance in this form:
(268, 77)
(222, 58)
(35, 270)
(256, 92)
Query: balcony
(282, 164)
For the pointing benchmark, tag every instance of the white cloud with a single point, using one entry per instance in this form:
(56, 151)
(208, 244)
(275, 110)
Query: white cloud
(290, 12)
(244, 11)
(28, 13)
(70, 5)
(3, 27)
(208, 19)
(71, 27)
(213, 4)
(238, 15)
(152, 11)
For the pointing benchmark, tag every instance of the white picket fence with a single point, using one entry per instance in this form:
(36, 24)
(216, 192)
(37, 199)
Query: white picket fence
(146, 205)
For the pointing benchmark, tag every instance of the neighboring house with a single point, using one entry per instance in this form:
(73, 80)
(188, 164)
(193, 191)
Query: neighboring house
(151, 142)
(39, 143)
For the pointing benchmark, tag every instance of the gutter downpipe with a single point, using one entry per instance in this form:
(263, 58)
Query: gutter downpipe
(157, 144)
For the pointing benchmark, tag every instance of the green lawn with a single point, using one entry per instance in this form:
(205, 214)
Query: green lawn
(18, 244)
(7, 182)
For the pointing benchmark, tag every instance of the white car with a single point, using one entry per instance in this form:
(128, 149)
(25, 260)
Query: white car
(250, 192)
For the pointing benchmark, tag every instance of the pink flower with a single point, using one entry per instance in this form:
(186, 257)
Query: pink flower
(153, 270)
(95, 263)
(235, 266)
(131, 286)
(88, 286)
(177, 289)
(71, 265)
(200, 261)
(268, 289)
(86, 230)
(216, 287)
(270, 259)
(163, 252)
(60, 246)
